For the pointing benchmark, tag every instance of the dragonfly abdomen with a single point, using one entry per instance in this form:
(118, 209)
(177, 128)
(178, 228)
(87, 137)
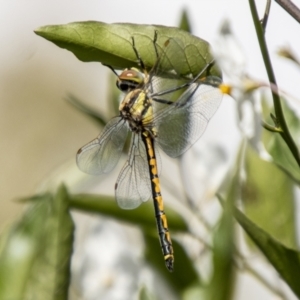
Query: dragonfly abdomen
(160, 216)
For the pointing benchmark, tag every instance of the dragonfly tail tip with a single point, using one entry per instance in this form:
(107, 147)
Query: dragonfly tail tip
(170, 263)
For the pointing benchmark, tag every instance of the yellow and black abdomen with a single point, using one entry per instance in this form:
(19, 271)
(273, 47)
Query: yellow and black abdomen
(161, 220)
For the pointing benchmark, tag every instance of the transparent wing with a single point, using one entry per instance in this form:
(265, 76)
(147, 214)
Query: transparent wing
(182, 123)
(102, 154)
(133, 184)
(165, 74)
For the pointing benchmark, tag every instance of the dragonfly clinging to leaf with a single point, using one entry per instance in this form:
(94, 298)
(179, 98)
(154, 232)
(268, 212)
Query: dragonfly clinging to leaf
(171, 113)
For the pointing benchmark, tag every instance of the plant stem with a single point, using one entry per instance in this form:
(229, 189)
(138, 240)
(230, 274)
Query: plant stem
(266, 15)
(271, 128)
(290, 8)
(276, 99)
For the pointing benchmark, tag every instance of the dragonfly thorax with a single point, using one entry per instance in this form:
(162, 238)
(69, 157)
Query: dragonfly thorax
(137, 110)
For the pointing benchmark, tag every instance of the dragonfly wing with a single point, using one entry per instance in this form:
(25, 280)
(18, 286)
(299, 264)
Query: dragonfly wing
(170, 71)
(181, 124)
(133, 184)
(102, 154)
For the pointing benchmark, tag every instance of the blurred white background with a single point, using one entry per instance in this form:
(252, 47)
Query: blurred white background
(40, 131)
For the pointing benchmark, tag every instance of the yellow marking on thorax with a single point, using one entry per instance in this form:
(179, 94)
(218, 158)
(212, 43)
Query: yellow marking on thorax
(138, 106)
(148, 116)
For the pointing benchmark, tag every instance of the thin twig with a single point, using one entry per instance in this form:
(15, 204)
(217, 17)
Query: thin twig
(266, 15)
(271, 128)
(280, 119)
(290, 8)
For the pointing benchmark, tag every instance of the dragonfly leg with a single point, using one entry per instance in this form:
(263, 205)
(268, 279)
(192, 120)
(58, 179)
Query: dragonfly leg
(187, 84)
(141, 63)
(111, 68)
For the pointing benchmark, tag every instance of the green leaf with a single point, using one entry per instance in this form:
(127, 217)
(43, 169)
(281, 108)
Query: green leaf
(285, 260)
(279, 150)
(35, 256)
(283, 157)
(111, 44)
(19, 247)
(144, 294)
(143, 216)
(268, 198)
(185, 23)
(195, 292)
(221, 285)
(53, 262)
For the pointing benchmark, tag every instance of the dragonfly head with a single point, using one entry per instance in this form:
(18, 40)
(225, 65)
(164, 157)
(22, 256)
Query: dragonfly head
(129, 80)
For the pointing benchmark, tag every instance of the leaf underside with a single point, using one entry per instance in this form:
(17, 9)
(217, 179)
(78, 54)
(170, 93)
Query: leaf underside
(111, 44)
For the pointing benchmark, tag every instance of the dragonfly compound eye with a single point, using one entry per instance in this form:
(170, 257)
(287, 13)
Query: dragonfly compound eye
(129, 80)
(126, 86)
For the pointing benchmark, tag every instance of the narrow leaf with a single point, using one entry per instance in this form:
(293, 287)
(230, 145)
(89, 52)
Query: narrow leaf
(221, 285)
(141, 216)
(268, 197)
(285, 260)
(50, 276)
(35, 256)
(19, 248)
(144, 294)
(84, 108)
(279, 150)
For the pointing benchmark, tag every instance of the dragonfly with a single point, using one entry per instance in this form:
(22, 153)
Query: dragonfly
(159, 113)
